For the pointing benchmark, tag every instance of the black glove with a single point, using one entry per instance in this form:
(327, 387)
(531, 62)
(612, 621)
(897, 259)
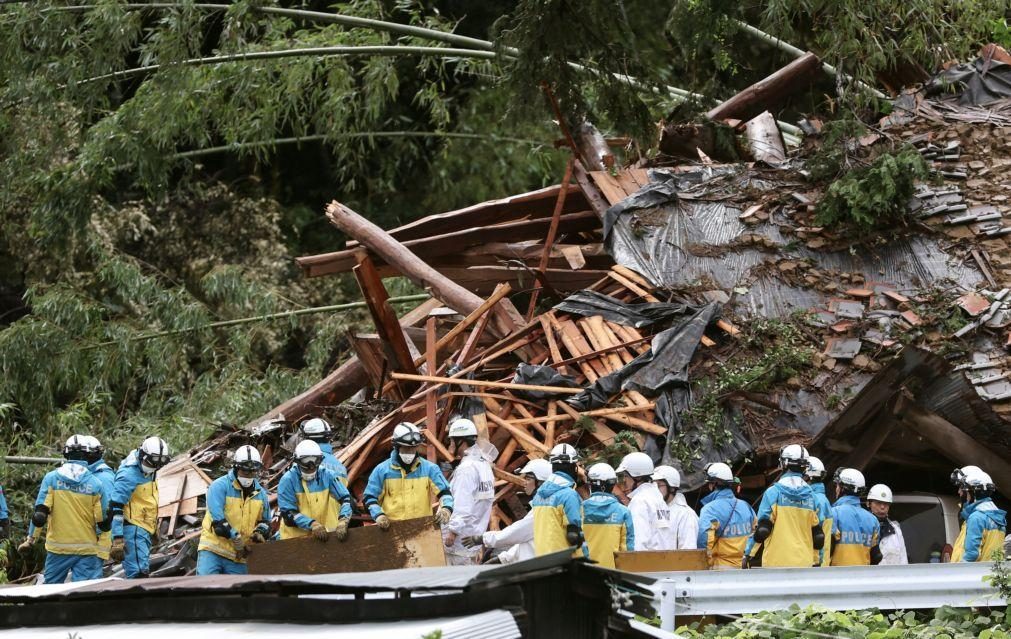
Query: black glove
(818, 536)
(574, 535)
(763, 530)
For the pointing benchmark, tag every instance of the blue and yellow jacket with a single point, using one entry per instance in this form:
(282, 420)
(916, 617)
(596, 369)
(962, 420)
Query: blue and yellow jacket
(725, 524)
(134, 497)
(855, 532)
(556, 506)
(107, 476)
(231, 514)
(985, 525)
(789, 505)
(607, 525)
(323, 499)
(824, 556)
(402, 493)
(77, 503)
(4, 515)
(333, 464)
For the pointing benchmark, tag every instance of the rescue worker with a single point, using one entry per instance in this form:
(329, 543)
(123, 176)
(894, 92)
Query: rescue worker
(815, 476)
(607, 524)
(72, 505)
(401, 487)
(557, 507)
(5, 519)
(238, 516)
(958, 479)
(855, 532)
(320, 431)
(94, 452)
(518, 537)
(985, 523)
(473, 489)
(650, 513)
(684, 522)
(726, 522)
(311, 497)
(891, 542)
(134, 506)
(789, 529)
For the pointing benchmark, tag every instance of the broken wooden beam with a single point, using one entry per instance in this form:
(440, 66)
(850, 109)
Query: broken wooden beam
(593, 148)
(462, 381)
(770, 91)
(398, 354)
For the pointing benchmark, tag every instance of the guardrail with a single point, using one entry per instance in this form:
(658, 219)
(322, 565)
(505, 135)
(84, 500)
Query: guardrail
(733, 592)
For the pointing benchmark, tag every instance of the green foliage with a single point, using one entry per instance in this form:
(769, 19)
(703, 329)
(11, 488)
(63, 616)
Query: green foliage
(780, 354)
(1001, 32)
(797, 623)
(834, 155)
(874, 195)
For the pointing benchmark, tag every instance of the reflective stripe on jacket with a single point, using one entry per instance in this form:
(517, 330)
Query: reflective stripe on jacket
(608, 528)
(823, 556)
(243, 512)
(854, 532)
(402, 493)
(323, 499)
(77, 503)
(725, 525)
(556, 506)
(789, 505)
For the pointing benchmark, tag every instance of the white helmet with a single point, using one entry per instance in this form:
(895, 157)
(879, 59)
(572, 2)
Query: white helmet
(793, 457)
(959, 475)
(850, 479)
(76, 447)
(154, 453)
(317, 429)
(247, 458)
(636, 465)
(308, 448)
(92, 448)
(308, 457)
(979, 482)
(406, 434)
(539, 468)
(462, 428)
(601, 473)
(815, 469)
(563, 454)
(880, 492)
(668, 474)
(719, 472)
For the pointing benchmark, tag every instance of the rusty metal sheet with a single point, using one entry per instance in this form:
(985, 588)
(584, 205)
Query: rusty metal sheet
(407, 544)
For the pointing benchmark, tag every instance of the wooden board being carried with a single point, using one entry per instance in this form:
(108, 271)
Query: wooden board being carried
(660, 560)
(412, 543)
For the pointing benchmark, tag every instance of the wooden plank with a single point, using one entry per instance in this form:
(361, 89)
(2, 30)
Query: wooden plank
(590, 190)
(601, 432)
(579, 343)
(629, 274)
(480, 382)
(525, 439)
(412, 543)
(431, 398)
(500, 292)
(175, 510)
(632, 286)
(549, 336)
(549, 438)
(507, 476)
(594, 326)
(437, 445)
(660, 560)
(597, 412)
(608, 186)
(549, 239)
(386, 322)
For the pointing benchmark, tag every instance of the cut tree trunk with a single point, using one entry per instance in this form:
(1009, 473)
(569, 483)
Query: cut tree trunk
(770, 92)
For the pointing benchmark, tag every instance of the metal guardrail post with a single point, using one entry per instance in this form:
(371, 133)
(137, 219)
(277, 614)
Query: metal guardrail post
(668, 599)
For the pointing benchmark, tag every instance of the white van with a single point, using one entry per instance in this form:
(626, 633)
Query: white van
(929, 524)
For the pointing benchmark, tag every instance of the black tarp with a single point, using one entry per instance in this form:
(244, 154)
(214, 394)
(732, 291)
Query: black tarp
(977, 83)
(589, 303)
(537, 375)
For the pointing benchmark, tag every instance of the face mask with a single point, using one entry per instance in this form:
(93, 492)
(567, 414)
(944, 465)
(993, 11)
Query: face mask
(407, 458)
(245, 482)
(308, 476)
(147, 470)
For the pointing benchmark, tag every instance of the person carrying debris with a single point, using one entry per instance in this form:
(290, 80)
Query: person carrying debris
(815, 476)
(985, 524)
(401, 486)
(608, 524)
(134, 506)
(650, 514)
(684, 522)
(473, 489)
(96, 464)
(855, 532)
(238, 516)
(789, 528)
(320, 431)
(726, 522)
(891, 543)
(557, 507)
(71, 504)
(311, 497)
(518, 537)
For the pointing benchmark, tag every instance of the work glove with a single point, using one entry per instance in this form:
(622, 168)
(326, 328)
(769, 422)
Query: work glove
(319, 532)
(383, 522)
(472, 541)
(260, 533)
(442, 516)
(238, 543)
(342, 529)
(118, 549)
(25, 545)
